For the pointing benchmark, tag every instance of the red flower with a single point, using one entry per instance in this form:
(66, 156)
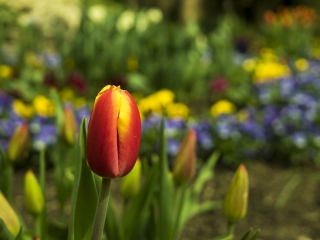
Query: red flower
(114, 133)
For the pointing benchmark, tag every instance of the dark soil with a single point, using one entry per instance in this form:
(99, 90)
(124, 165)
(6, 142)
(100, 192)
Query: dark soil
(284, 203)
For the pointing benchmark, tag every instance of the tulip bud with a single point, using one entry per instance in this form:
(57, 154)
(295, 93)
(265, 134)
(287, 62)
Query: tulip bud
(184, 163)
(33, 197)
(9, 216)
(236, 200)
(130, 183)
(114, 133)
(70, 126)
(19, 142)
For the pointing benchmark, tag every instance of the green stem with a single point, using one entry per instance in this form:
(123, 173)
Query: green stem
(38, 226)
(180, 197)
(230, 228)
(101, 212)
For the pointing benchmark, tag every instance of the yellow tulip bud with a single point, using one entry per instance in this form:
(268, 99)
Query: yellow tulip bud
(130, 183)
(9, 216)
(33, 196)
(236, 200)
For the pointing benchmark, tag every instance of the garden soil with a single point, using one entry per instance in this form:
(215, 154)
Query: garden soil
(284, 203)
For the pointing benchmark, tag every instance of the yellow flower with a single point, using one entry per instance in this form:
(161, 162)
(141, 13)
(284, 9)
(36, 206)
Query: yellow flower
(6, 71)
(22, 109)
(156, 101)
(249, 64)
(164, 97)
(268, 54)
(222, 107)
(32, 60)
(79, 102)
(9, 216)
(302, 64)
(67, 94)
(242, 115)
(270, 70)
(43, 106)
(177, 110)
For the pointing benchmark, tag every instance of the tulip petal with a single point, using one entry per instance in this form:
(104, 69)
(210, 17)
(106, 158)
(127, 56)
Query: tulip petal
(129, 131)
(103, 134)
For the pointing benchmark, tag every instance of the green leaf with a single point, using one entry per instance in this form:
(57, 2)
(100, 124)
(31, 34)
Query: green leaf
(226, 237)
(58, 109)
(255, 235)
(247, 234)
(19, 235)
(85, 196)
(4, 232)
(139, 206)
(166, 192)
(112, 227)
(42, 175)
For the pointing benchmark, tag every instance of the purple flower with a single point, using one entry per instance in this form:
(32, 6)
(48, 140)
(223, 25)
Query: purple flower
(47, 136)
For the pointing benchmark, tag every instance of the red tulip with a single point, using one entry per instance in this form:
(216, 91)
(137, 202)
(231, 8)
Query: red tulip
(114, 133)
(184, 164)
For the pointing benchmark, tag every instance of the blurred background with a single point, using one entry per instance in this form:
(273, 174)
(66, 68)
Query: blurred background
(244, 74)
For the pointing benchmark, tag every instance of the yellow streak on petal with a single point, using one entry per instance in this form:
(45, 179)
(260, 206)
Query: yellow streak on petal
(124, 117)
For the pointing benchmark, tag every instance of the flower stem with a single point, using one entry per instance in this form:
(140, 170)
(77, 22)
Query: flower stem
(101, 211)
(230, 229)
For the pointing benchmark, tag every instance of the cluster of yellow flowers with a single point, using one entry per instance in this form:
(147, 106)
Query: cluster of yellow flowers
(44, 106)
(267, 67)
(162, 101)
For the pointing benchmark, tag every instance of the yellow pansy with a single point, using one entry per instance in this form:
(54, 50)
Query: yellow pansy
(270, 70)
(6, 71)
(164, 97)
(222, 107)
(177, 110)
(302, 64)
(22, 109)
(249, 64)
(43, 106)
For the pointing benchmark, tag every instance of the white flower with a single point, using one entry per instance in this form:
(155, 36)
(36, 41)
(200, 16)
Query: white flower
(126, 21)
(97, 13)
(154, 15)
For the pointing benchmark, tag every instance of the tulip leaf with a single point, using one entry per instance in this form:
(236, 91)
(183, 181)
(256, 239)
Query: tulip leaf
(166, 191)
(255, 235)
(85, 196)
(112, 227)
(247, 234)
(4, 232)
(58, 109)
(19, 235)
(138, 209)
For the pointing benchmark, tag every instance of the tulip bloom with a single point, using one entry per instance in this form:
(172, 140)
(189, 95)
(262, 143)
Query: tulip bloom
(184, 164)
(33, 196)
(70, 126)
(9, 216)
(236, 200)
(19, 142)
(114, 133)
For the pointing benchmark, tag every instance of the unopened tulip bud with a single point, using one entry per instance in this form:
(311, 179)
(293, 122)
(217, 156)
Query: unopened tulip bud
(18, 144)
(113, 134)
(236, 200)
(9, 216)
(184, 164)
(33, 196)
(130, 183)
(70, 126)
